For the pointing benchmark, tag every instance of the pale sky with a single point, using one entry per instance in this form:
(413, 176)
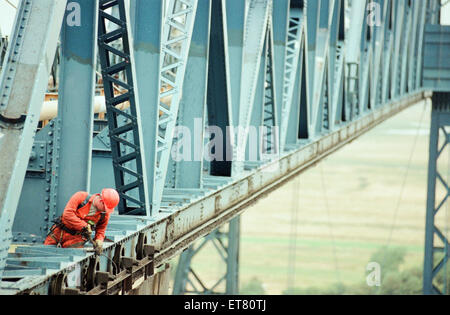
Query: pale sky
(7, 15)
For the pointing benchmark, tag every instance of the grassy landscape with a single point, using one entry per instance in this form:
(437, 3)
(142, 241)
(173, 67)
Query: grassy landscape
(368, 196)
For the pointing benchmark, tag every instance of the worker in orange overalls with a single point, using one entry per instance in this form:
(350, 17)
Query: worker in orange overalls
(82, 215)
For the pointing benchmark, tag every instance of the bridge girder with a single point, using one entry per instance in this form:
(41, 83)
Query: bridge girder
(293, 64)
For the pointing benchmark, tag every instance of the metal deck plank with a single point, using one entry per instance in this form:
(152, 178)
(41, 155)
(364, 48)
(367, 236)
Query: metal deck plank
(21, 273)
(51, 249)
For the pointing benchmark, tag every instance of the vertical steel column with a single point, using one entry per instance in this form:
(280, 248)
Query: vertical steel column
(23, 83)
(176, 41)
(219, 114)
(293, 55)
(148, 25)
(433, 11)
(298, 109)
(236, 12)
(183, 270)
(227, 245)
(303, 98)
(253, 146)
(421, 32)
(319, 99)
(379, 39)
(270, 140)
(353, 58)
(333, 40)
(219, 102)
(413, 43)
(439, 120)
(336, 63)
(280, 24)
(76, 105)
(234, 236)
(312, 24)
(398, 47)
(406, 37)
(254, 36)
(191, 114)
(123, 110)
(323, 113)
(364, 67)
(3, 48)
(387, 52)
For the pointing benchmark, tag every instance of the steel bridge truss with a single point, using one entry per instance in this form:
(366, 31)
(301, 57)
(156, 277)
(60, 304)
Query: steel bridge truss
(436, 76)
(437, 247)
(218, 69)
(124, 123)
(226, 244)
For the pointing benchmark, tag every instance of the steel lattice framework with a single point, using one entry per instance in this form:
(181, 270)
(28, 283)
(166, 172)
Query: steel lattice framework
(436, 76)
(437, 247)
(124, 124)
(308, 76)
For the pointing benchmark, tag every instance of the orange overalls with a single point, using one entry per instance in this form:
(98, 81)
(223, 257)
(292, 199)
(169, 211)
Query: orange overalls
(74, 220)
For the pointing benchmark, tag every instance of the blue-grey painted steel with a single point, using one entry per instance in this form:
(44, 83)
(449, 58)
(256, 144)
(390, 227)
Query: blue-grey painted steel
(235, 24)
(234, 236)
(437, 246)
(116, 56)
(336, 64)
(188, 281)
(187, 170)
(398, 46)
(23, 81)
(75, 105)
(353, 58)
(435, 71)
(253, 146)
(270, 134)
(219, 106)
(419, 49)
(436, 66)
(221, 200)
(379, 38)
(345, 82)
(177, 34)
(148, 25)
(3, 48)
(319, 99)
(292, 60)
(311, 14)
(39, 189)
(219, 102)
(280, 30)
(253, 44)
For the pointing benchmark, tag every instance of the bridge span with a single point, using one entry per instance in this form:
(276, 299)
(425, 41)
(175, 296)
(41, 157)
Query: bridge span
(193, 110)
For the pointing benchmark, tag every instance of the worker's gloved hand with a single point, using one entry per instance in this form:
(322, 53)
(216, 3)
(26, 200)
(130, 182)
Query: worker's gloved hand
(98, 247)
(86, 231)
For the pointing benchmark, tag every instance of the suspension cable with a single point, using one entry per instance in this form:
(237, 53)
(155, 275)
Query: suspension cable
(445, 289)
(330, 225)
(405, 177)
(293, 234)
(11, 4)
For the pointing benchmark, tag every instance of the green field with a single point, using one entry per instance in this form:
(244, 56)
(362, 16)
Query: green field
(355, 202)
